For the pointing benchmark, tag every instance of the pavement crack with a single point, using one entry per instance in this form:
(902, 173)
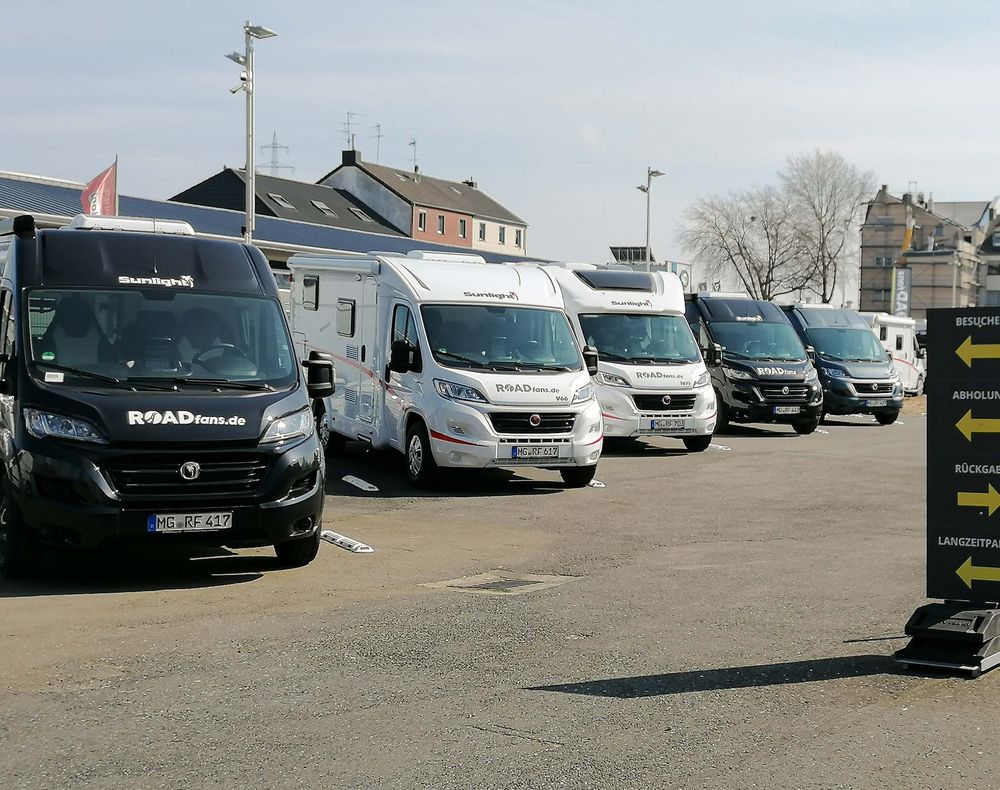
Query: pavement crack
(499, 729)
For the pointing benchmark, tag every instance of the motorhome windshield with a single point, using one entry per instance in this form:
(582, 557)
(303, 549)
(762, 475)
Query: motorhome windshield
(640, 339)
(759, 340)
(847, 345)
(133, 335)
(500, 338)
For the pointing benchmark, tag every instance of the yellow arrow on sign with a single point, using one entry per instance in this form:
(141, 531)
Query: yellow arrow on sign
(990, 499)
(970, 573)
(969, 351)
(969, 425)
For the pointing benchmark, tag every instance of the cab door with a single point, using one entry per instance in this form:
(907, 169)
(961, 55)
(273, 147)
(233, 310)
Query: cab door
(401, 389)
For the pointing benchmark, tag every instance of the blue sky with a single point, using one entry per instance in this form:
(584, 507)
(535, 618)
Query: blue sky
(555, 107)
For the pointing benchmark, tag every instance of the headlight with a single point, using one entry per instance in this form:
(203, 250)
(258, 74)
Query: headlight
(289, 427)
(812, 375)
(41, 424)
(585, 393)
(702, 380)
(612, 380)
(733, 373)
(835, 373)
(453, 391)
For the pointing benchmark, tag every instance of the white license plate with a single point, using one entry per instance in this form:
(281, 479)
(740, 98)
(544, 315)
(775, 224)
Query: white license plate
(873, 404)
(189, 522)
(787, 409)
(517, 451)
(667, 425)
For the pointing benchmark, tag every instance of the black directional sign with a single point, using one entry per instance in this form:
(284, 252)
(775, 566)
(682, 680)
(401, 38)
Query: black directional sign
(963, 454)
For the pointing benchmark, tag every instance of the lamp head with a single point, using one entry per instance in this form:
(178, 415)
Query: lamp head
(655, 173)
(642, 188)
(236, 57)
(258, 31)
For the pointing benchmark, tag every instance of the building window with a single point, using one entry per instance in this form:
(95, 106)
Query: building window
(324, 208)
(281, 201)
(502, 235)
(441, 223)
(884, 261)
(993, 298)
(996, 238)
(482, 231)
(421, 220)
(310, 293)
(463, 228)
(517, 237)
(993, 268)
(360, 215)
(881, 295)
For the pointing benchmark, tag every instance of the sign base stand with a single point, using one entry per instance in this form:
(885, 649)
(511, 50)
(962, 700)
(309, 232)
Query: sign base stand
(955, 635)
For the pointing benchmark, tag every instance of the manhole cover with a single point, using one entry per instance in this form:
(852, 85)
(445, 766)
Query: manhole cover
(501, 583)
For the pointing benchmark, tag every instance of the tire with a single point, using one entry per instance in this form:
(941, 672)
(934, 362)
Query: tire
(806, 427)
(886, 417)
(19, 549)
(697, 444)
(421, 468)
(299, 552)
(920, 387)
(722, 421)
(823, 416)
(333, 443)
(578, 476)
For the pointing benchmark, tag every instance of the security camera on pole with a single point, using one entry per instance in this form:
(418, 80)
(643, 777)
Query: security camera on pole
(650, 175)
(246, 85)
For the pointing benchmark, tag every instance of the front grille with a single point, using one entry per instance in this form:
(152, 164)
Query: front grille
(155, 476)
(655, 402)
(775, 393)
(873, 387)
(521, 422)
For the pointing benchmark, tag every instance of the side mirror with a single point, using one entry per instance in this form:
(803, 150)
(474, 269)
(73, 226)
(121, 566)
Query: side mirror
(399, 356)
(811, 353)
(921, 353)
(713, 355)
(590, 359)
(319, 375)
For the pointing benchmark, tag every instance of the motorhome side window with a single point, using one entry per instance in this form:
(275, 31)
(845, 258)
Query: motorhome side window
(7, 328)
(345, 317)
(883, 333)
(899, 342)
(310, 293)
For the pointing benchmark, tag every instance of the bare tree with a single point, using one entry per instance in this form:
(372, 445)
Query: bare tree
(752, 233)
(827, 192)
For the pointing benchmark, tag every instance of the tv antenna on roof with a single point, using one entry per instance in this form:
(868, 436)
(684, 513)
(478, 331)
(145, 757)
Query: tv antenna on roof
(348, 129)
(413, 145)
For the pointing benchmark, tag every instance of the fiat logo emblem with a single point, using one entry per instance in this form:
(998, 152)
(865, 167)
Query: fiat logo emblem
(190, 470)
(666, 400)
(535, 420)
(784, 390)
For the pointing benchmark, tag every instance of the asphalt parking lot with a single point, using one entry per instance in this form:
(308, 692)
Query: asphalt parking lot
(720, 620)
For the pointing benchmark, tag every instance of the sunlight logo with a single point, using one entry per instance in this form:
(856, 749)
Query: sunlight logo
(491, 295)
(184, 281)
(632, 303)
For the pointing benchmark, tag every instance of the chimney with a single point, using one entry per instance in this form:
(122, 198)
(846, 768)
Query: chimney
(920, 199)
(930, 202)
(351, 157)
(416, 168)
(908, 198)
(470, 183)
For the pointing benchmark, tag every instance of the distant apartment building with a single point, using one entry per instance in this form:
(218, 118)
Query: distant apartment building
(431, 209)
(947, 253)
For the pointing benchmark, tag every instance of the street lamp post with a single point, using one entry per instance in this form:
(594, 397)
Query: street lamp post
(647, 188)
(246, 85)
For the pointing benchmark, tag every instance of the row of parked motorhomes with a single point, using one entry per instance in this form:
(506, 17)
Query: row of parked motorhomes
(152, 390)
(458, 363)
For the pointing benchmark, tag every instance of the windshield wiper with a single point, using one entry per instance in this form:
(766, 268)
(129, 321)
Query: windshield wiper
(609, 356)
(831, 356)
(459, 358)
(540, 366)
(236, 385)
(79, 372)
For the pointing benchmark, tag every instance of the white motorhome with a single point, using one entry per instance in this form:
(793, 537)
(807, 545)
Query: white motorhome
(899, 337)
(452, 361)
(652, 380)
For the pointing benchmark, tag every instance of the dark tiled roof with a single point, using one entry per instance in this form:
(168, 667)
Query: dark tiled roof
(423, 190)
(35, 195)
(227, 190)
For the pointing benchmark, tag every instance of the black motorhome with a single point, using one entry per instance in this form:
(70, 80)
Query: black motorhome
(857, 373)
(148, 394)
(760, 370)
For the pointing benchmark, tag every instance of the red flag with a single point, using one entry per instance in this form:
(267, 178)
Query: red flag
(100, 196)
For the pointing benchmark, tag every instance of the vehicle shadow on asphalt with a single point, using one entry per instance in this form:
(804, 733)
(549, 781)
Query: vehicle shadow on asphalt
(734, 429)
(138, 570)
(386, 471)
(639, 449)
(731, 677)
(841, 423)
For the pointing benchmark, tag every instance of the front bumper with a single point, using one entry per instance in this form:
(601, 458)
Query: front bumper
(71, 500)
(746, 403)
(462, 436)
(842, 396)
(622, 417)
